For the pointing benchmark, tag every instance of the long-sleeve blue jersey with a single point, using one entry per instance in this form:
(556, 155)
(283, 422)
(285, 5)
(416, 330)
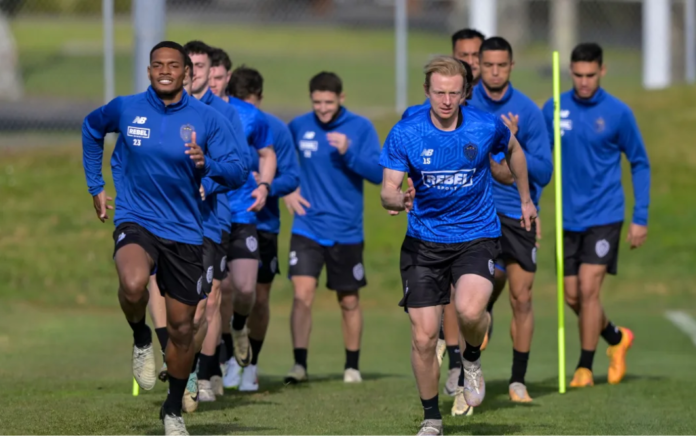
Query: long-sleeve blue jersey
(333, 183)
(532, 136)
(258, 136)
(157, 182)
(451, 174)
(287, 177)
(594, 133)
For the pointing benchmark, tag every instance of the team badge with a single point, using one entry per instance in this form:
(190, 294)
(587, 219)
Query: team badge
(491, 266)
(358, 272)
(186, 132)
(251, 243)
(209, 275)
(600, 125)
(602, 248)
(470, 151)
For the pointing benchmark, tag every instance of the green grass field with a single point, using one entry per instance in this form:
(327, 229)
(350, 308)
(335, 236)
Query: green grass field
(65, 348)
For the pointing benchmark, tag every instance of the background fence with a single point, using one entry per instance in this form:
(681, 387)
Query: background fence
(52, 69)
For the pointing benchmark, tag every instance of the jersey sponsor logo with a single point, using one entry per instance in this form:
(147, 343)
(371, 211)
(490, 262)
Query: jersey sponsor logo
(602, 248)
(565, 124)
(307, 147)
(186, 132)
(471, 151)
(138, 132)
(448, 179)
(140, 120)
(358, 272)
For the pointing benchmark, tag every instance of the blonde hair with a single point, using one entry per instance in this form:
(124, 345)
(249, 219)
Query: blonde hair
(446, 66)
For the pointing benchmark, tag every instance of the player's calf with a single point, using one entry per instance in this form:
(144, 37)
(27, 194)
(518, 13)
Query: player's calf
(352, 331)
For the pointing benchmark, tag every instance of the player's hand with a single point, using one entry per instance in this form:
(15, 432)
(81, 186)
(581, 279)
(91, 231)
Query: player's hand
(637, 235)
(202, 191)
(260, 194)
(538, 229)
(511, 121)
(295, 203)
(339, 141)
(101, 206)
(195, 152)
(409, 195)
(500, 171)
(529, 215)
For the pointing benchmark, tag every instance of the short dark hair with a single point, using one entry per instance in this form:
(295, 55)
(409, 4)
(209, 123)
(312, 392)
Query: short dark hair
(587, 52)
(219, 57)
(189, 63)
(496, 43)
(469, 72)
(466, 34)
(245, 82)
(197, 48)
(169, 45)
(326, 81)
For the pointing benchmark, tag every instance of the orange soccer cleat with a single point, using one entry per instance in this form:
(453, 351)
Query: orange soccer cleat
(582, 378)
(617, 357)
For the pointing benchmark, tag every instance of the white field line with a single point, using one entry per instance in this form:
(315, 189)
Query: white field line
(684, 322)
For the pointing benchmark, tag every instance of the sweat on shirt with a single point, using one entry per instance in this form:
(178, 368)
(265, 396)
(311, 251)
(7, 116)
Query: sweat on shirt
(157, 182)
(595, 132)
(333, 183)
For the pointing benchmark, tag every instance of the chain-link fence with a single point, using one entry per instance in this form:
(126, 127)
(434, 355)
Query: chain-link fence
(51, 74)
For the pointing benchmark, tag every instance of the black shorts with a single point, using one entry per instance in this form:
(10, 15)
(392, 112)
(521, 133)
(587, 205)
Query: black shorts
(244, 242)
(428, 269)
(517, 245)
(220, 270)
(178, 266)
(268, 248)
(344, 263)
(597, 245)
(209, 264)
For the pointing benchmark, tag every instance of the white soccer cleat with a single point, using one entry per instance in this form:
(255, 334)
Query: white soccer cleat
(452, 381)
(173, 425)
(233, 374)
(296, 375)
(144, 367)
(474, 384)
(217, 385)
(440, 350)
(460, 407)
(352, 375)
(250, 379)
(190, 401)
(205, 391)
(242, 349)
(431, 427)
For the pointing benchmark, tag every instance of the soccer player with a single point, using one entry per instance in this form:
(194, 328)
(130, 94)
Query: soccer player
(168, 143)
(453, 229)
(597, 128)
(247, 84)
(337, 151)
(466, 45)
(495, 94)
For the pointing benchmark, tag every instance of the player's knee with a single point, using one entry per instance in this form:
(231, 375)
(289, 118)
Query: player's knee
(521, 300)
(303, 297)
(134, 286)
(262, 302)
(180, 330)
(589, 291)
(349, 301)
(424, 342)
(468, 312)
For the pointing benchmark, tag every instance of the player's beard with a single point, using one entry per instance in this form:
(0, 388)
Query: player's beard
(200, 89)
(496, 89)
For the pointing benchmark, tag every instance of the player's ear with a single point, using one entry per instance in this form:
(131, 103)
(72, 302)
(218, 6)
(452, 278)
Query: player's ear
(603, 70)
(341, 98)
(149, 74)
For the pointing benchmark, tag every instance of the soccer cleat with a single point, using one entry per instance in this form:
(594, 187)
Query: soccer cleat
(233, 375)
(190, 400)
(250, 379)
(440, 351)
(296, 375)
(582, 378)
(351, 375)
(205, 391)
(518, 393)
(474, 385)
(173, 425)
(617, 357)
(163, 375)
(217, 385)
(242, 349)
(452, 380)
(144, 367)
(430, 427)
(460, 407)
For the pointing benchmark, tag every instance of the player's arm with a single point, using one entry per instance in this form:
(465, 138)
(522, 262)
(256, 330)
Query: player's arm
(500, 170)
(393, 198)
(631, 143)
(538, 153)
(94, 129)
(288, 175)
(262, 141)
(224, 165)
(518, 166)
(362, 155)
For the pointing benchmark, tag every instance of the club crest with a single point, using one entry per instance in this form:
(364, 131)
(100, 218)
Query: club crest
(186, 131)
(471, 151)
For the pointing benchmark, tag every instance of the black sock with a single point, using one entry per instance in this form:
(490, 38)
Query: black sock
(163, 337)
(586, 358)
(472, 353)
(460, 383)
(206, 367)
(352, 358)
(142, 336)
(519, 366)
(454, 357)
(238, 321)
(215, 369)
(229, 346)
(255, 350)
(194, 366)
(431, 408)
(611, 334)
(300, 357)
(174, 398)
(442, 333)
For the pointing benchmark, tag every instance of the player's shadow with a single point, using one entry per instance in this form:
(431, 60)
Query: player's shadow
(209, 429)
(483, 429)
(327, 377)
(602, 379)
(497, 395)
